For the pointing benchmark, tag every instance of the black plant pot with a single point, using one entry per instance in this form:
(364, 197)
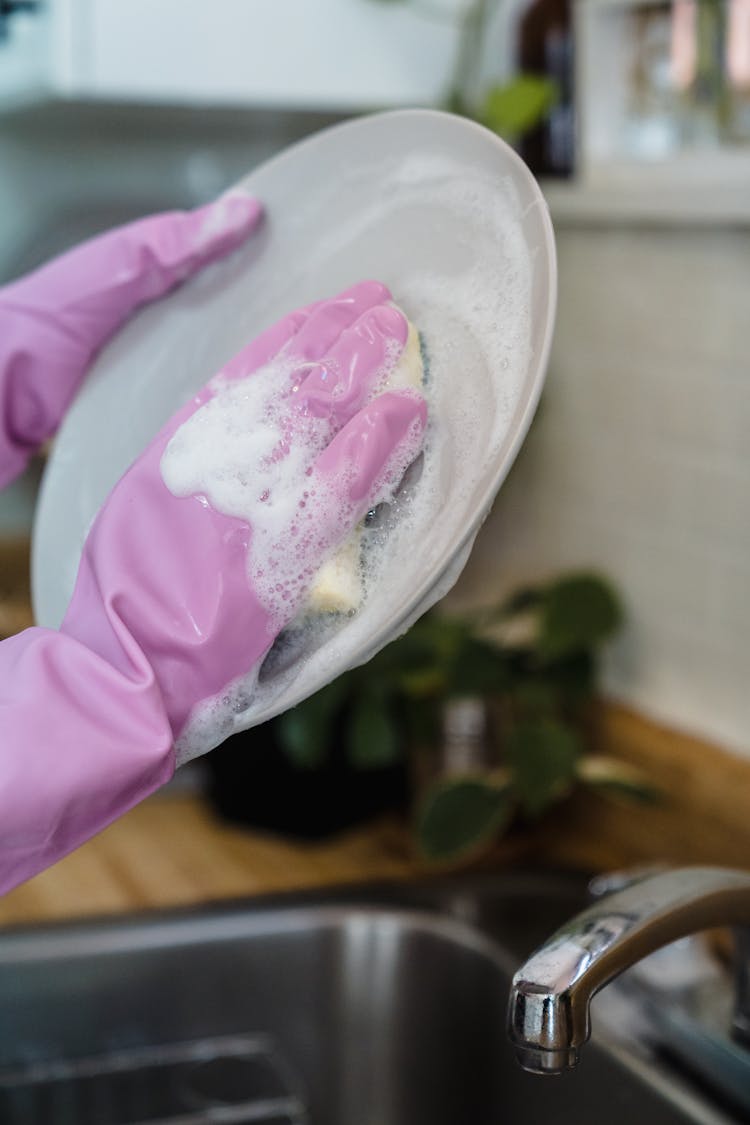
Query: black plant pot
(253, 781)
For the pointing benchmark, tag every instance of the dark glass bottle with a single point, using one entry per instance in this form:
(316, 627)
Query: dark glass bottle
(545, 48)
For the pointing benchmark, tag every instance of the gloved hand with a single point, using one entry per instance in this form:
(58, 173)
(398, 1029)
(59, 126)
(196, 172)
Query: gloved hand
(179, 595)
(54, 320)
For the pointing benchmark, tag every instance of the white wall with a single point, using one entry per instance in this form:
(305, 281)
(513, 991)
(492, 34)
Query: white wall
(639, 463)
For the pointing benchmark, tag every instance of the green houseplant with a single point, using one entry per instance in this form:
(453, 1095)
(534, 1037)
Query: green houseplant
(531, 662)
(512, 108)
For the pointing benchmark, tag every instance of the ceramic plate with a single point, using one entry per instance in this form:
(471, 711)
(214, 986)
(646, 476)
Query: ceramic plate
(452, 221)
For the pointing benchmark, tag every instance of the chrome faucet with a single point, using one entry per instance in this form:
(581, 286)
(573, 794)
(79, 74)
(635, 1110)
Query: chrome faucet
(548, 1016)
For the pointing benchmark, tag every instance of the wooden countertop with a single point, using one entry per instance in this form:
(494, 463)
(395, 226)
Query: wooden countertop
(15, 586)
(171, 850)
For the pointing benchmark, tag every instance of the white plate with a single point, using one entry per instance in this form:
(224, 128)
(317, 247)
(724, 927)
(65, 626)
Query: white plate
(452, 221)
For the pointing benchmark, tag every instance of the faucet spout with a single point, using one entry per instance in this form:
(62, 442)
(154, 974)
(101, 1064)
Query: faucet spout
(548, 1015)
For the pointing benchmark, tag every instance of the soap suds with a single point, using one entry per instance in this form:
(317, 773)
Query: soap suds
(471, 304)
(250, 452)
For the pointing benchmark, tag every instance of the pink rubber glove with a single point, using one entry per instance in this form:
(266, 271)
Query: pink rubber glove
(171, 604)
(53, 321)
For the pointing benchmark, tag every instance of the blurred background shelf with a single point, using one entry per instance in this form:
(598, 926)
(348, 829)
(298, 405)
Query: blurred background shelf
(659, 96)
(231, 52)
(650, 201)
(662, 94)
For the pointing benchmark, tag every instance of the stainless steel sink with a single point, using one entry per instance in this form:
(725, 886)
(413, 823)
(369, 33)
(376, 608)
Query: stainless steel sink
(372, 1007)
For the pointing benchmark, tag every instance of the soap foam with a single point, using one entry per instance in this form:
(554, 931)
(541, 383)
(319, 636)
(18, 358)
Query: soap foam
(250, 451)
(473, 312)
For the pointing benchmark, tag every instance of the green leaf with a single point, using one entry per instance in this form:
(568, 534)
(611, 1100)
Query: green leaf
(306, 731)
(553, 688)
(535, 696)
(421, 721)
(520, 601)
(574, 674)
(618, 779)
(542, 755)
(423, 684)
(515, 108)
(477, 668)
(372, 737)
(459, 816)
(418, 655)
(577, 613)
